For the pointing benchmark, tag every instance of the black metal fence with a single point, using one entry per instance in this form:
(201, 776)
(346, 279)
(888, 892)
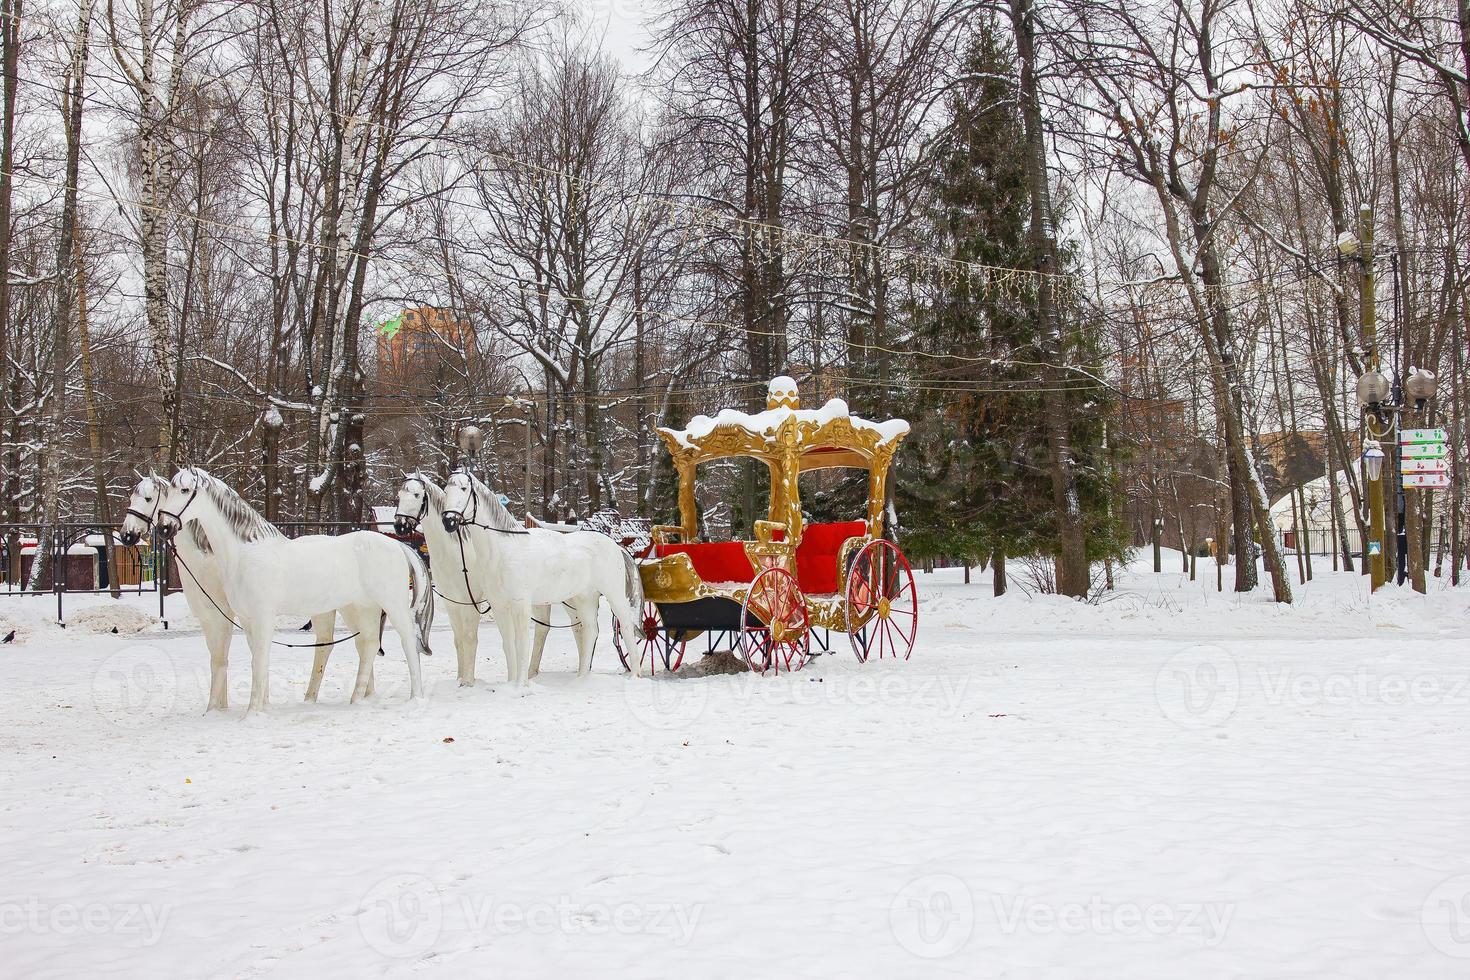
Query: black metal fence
(76, 560)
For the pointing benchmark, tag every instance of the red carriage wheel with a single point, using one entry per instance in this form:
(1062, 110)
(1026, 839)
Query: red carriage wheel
(654, 642)
(882, 603)
(775, 631)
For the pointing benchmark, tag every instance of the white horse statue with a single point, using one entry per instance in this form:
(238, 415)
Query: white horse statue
(462, 587)
(264, 574)
(528, 570)
(205, 594)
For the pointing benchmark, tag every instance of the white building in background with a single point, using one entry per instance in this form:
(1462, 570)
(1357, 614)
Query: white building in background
(1314, 532)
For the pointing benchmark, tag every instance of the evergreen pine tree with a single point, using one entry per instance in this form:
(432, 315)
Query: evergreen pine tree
(973, 481)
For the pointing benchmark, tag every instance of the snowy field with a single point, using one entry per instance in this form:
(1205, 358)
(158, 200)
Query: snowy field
(1174, 783)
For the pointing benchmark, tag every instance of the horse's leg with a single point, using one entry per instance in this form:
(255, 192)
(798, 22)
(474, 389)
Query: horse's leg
(626, 618)
(511, 618)
(258, 633)
(401, 617)
(465, 623)
(379, 622)
(217, 632)
(540, 615)
(367, 641)
(522, 622)
(585, 609)
(321, 627)
(505, 626)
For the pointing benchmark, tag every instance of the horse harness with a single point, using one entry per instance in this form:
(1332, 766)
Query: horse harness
(178, 557)
(464, 565)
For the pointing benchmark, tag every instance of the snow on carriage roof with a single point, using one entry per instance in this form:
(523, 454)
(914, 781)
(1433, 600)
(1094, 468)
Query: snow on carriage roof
(767, 422)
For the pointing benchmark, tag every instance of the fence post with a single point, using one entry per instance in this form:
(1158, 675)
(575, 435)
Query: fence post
(57, 582)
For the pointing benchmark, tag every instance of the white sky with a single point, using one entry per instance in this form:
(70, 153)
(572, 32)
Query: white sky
(620, 25)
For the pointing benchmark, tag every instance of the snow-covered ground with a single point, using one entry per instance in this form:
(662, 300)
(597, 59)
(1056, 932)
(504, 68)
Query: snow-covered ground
(1173, 783)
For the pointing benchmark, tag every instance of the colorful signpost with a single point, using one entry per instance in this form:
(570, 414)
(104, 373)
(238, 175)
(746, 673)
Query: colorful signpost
(1424, 459)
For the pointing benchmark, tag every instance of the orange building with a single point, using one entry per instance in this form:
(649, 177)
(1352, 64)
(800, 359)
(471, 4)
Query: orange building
(427, 340)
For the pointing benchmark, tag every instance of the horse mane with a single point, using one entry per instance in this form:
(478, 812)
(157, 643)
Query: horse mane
(494, 514)
(196, 534)
(245, 521)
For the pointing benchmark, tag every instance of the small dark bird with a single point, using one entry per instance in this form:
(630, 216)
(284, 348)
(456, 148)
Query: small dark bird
(8, 637)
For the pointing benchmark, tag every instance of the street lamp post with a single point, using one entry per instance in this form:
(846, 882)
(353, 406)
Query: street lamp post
(471, 438)
(1384, 406)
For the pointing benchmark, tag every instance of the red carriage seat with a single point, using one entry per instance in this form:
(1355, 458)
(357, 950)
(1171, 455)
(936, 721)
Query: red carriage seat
(816, 556)
(713, 561)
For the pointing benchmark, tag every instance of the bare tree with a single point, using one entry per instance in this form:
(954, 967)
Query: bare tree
(1162, 83)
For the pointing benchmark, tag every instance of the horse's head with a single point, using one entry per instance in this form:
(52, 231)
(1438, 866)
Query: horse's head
(142, 510)
(413, 505)
(459, 502)
(178, 495)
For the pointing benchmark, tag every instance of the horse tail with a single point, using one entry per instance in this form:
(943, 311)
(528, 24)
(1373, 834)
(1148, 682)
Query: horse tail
(633, 583)
(382, 622)
(423, 600)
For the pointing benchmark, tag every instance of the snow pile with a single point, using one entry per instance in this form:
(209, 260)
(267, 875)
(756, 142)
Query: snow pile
(766, 423)
(112, 618)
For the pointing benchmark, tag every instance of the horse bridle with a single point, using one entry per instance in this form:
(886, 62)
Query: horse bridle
(177, 516)
(470, 521)
(423, 507)
(461, 520)
(147, 519)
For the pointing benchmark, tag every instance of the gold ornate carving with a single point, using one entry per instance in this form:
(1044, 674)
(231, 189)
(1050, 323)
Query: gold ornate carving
(667, 533)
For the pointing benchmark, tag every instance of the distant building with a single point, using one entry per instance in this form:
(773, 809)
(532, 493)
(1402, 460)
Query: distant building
(1288, 460)
(1311, 530)
(427, 343)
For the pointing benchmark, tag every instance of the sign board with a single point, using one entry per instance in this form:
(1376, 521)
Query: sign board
(1409, 436)
(1426, 481)
(1424, 466)
(1425, 450)
(1374, 549)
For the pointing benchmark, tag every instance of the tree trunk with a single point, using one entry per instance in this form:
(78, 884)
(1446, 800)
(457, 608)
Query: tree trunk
(10, 21)
(102, 502)
(1073, 578)
(52, 429)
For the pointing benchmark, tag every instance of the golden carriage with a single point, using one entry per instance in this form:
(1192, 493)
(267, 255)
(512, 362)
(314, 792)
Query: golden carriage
(767, 597)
